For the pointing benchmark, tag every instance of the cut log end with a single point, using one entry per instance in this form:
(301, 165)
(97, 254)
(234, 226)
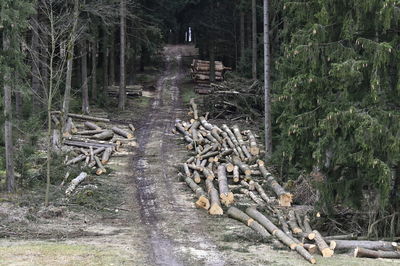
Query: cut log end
(227, 199)
(254, 151)
(327, 253)
(203, 203)
(285, 199)
(215, 209)
(311, 236)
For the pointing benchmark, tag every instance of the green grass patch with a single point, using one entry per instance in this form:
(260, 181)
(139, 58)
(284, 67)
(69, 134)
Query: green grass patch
(54, 254)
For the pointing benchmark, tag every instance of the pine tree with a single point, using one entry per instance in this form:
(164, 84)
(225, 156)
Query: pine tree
(337, 101)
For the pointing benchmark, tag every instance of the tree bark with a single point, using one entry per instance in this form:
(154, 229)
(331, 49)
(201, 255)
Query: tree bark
(85, 89)
(242, 37)
(226, 196)
(322, 245)
(212, 61)
(8, 135)
(367, 253)
(122, 80)
(237, 214)
(254, 39)
(70, 58)
(267, 86)
(215, 207)
(94, 68)
(75, 182)
(105, 61)
(375, 245)
(112, 58)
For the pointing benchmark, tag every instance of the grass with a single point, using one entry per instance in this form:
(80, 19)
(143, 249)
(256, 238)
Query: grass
(55, 253)
(187, 92)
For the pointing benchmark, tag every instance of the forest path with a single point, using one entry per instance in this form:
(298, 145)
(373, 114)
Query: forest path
(175, 233)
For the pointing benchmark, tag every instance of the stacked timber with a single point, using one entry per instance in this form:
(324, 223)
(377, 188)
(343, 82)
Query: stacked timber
(200, 71)
(130, 90)
(225, 171)
(94, 141)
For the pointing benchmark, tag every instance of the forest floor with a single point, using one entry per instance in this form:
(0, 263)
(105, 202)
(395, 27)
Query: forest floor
(142, 214)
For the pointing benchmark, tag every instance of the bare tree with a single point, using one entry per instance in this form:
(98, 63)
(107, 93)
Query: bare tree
(122, 79)
(254, 38)
(55, 34)
(10, 177)
(70, 58)
(267, 85)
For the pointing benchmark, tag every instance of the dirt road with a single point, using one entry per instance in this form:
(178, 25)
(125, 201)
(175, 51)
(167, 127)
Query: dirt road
(172, 225)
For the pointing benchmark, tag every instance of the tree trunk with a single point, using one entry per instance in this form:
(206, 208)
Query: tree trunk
(106, 39)
(254, 39)
(122, 81)
(375, 245)
(212, 61)
(112, 58)
(85, 89)
(70, 58)
(267, 86)
(8, 137)
(35, 61)
(94, 68)
(242, 37)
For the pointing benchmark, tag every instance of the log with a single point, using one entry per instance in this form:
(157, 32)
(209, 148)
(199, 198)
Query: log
(352, 236)
(254, 149)
(208, 173)
(271, 227)
(83, 156)
(240, 216)
(75, 182)
(293, 223)
(226, 196)
(307, 227)
(376, 254)
(181, 129)
(194, 108)
(132, 128)
(101, 169)
(236, 176)
(105, 135)
(90, 132)
(106, 156)
(262, 193)
(88, 144)
(89, 118)
(238, 135)
(202, 201)
(311, 248)
(248, 185)
(252, 196)
(215, 134)
(91, 126)
(122, 132)
(242, 166)
(285, 198)
(305, 254)
(322, 245)
(215, 206)
(205, 123)
(68, 128)
(368, 244)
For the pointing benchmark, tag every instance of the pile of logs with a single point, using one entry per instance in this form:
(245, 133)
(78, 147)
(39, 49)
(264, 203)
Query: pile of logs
(224, 169)
(94, 140)
(200, 71)
(131, 91)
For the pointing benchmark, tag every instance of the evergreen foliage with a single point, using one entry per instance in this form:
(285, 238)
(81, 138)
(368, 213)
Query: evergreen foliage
(337, 95)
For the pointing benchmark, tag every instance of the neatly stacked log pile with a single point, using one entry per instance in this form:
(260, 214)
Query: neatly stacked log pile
(224, 166)
(200, 71)
(94, 141)
(130, 90)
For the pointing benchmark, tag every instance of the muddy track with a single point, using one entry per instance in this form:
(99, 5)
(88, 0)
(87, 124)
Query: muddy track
(166, 217)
